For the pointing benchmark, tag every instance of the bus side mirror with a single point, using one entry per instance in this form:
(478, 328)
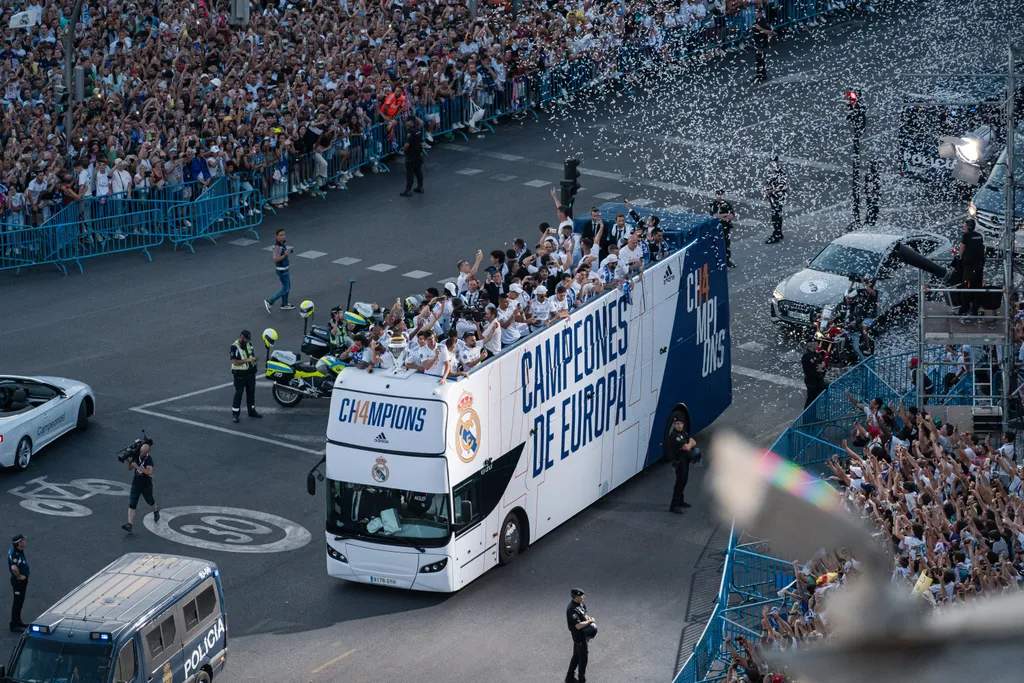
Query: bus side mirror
(311, 484)
(466, 511)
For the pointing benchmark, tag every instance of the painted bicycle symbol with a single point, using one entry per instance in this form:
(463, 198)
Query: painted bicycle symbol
(52, 498)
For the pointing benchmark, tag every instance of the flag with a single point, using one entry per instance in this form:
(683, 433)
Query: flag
(23, 20)
(627, 292)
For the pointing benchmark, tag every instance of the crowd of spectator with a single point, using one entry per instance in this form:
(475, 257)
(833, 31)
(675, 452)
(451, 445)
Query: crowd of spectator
(946, 504)
(177, 94)
(519, 291)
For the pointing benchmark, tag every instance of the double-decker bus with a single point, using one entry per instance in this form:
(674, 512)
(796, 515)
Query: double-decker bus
(429, 485)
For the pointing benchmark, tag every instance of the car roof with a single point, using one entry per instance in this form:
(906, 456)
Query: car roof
(123, 591)
(875, 241)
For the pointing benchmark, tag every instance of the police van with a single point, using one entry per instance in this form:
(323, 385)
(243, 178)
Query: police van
(143, 618)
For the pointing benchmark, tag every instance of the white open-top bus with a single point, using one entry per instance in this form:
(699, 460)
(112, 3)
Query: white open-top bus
(428, 486)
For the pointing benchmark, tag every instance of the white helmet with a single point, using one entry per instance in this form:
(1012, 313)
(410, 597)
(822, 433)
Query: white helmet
(269, 337)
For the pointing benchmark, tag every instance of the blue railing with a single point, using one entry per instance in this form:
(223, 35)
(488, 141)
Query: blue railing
(183, 213)
(751, 580)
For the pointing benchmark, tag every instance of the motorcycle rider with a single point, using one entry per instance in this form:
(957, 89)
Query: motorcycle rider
(243, 373)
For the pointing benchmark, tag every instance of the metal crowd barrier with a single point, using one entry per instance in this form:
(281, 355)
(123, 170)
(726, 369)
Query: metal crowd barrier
(218, 210)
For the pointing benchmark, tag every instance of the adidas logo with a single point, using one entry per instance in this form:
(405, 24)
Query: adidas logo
(669, 275)
(381, 438)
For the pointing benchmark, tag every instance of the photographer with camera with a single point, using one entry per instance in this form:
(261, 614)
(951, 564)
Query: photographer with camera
(137, 459)
(681, 450)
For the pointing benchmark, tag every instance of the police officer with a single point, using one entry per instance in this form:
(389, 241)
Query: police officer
(580, 624)
(972, 260)
(856, 116)
(814, 372)
(243, 371)
(872, 192)
(681, 450)
(413, 149)
(775, 191)
(762, 29)
(722, 210)
(17, 564)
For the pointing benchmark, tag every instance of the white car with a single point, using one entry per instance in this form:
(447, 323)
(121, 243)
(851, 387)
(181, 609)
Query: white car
(37, 410)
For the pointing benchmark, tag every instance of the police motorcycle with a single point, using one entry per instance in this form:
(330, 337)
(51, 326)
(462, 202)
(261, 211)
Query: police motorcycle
(838, 328)
(295, 380)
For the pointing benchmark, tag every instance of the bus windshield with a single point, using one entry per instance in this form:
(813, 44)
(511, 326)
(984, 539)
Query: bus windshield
(53, 661)
(379, 513)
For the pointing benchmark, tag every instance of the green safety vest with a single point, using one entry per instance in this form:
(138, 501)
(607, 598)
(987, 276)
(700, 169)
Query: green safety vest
(243, 352)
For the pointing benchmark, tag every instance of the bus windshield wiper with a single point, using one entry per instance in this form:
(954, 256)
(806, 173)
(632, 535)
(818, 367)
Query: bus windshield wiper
(410, 542)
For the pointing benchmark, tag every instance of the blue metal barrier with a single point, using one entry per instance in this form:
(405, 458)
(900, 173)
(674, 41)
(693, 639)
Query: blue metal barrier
(218, 210)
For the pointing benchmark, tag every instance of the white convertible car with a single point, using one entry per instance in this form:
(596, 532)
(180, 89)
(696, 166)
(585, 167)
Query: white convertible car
(36, 410)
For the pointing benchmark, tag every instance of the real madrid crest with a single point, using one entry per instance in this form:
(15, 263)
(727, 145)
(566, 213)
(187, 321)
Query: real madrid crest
(168, 677)
(467, 429)
(379, 471)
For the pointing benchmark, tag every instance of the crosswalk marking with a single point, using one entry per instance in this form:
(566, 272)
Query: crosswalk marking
(311, 254)
(607, 195)
(537, 183)
(502, 156)
(346, 261)
(641, 202)
(751, 346)
(244, 242)
(416, 274)
(503, 177)
(470, 171)
(382, 267)
(270, 248)
(447, 280)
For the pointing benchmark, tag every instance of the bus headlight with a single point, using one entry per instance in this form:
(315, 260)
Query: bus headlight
(972, 210)
(435, 567)
(335, 555)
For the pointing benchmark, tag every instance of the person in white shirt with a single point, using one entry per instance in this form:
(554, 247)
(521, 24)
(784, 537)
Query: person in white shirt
(85, 181)
(562, 212)
(571, 245)
(120, 179)
(541, 306)
(101, 179)
(631, 258)
(609, 266)
(471, 354)
(467, 272)
(490, 335)
(560, 304)
(508, 319)
(517, 299)
(432, 358)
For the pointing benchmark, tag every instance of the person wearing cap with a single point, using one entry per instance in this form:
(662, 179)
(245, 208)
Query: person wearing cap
(722, 210)
(17, 565)
(680, 450)
(541, 307)
(243, 373)
(578, 622)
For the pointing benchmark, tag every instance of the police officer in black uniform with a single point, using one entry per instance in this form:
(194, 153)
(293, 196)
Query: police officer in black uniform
(681, 450)
(856, 116)
(579, 626)
(17, 564)
(722, 210)
(413, 149)
(243, 371)
(762, 29)
(775, 190)
(872, 192)
(814, 372)
(972, 260)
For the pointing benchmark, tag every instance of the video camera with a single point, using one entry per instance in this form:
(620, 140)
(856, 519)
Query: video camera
(134, 449)
(474, 313)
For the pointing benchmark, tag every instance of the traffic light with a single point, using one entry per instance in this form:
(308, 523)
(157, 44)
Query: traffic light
(570, 184)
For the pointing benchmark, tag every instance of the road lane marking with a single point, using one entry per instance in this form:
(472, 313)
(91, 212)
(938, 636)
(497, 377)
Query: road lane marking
(503, 177)
(416, 274)
(767, 377)
(502, 156)
(238, 530)
(243, 241)
(381, 267)
(470, 171)
(188, 395)
(607, 195)
(346, 261)
(333, 661)
(537, 183)
(225, 430)
(312, 254)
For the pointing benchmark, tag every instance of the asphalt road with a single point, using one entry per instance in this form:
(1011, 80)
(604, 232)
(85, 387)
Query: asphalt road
(152, 340)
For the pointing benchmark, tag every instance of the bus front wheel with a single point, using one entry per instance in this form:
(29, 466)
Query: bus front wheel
(509, 539)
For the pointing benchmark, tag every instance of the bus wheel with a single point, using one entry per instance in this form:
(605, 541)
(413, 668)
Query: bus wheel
(509, 539)
(203, 677)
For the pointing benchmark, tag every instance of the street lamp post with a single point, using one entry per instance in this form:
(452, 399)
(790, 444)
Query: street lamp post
(69, 72)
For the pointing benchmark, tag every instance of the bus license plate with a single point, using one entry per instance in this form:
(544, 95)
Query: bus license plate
(383, 580)
(796, 315)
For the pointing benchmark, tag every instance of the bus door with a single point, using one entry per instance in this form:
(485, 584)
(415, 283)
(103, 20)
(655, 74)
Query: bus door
(126, 666)
(470, 534)
(162, 648)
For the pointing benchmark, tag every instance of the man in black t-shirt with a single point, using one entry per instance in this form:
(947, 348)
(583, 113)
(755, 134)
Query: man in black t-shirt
(722, 210)
(972, 258)
(142, 485)
(762, 30)
(814, 372)
(578, 621)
